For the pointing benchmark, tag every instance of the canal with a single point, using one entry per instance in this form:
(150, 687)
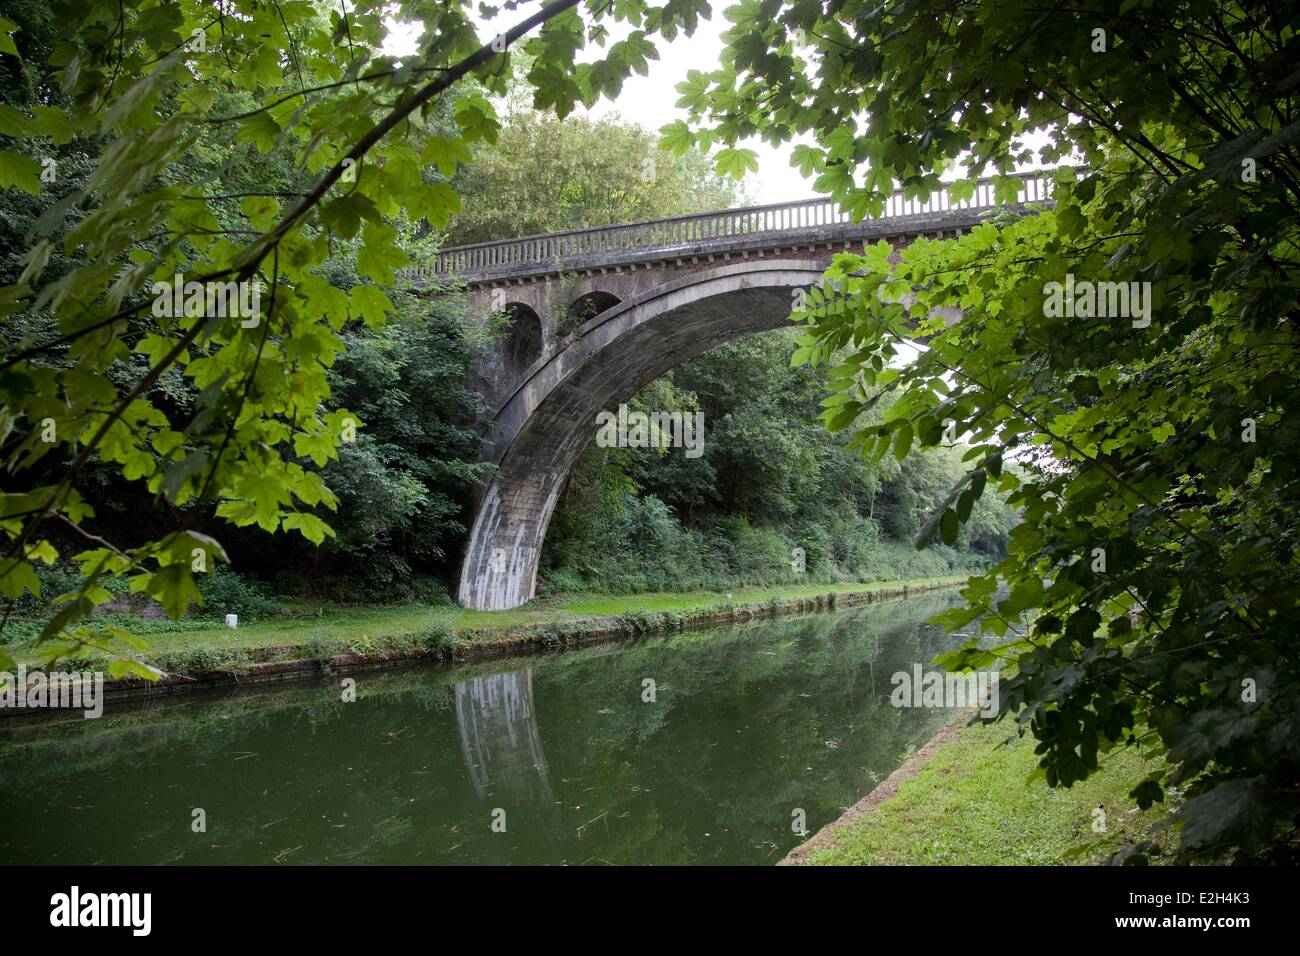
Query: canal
(698, 747)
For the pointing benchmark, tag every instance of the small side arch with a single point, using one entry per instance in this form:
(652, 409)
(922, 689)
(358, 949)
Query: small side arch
(586, 307)
(523, 345)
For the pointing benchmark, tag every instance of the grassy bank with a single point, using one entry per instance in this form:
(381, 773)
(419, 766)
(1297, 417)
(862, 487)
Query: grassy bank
(325, 632)
(975, 802)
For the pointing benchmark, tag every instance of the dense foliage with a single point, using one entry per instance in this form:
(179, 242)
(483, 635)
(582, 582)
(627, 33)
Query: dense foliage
(402, 475)
(1157, 558)
(774, 497)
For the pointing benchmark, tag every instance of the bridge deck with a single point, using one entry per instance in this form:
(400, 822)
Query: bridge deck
(728, 230)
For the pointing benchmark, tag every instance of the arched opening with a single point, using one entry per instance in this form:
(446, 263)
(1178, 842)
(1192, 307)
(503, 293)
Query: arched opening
(544, 425)
(588, 306)
(523, 345)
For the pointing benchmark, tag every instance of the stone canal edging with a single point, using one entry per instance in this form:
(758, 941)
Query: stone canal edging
(288, 662)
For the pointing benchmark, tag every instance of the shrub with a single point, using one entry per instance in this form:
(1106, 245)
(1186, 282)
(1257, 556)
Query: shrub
(563, 581)
(638, 622)
(226, 592)
(438, 640)
(196, 659)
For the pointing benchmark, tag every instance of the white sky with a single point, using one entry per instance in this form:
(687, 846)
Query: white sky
(649, 101)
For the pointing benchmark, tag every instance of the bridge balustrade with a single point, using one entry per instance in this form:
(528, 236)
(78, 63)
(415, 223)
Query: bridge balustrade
(703, 232)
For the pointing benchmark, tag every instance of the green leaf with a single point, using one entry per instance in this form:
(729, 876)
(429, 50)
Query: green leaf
(260, 130)
(445, 154)
(344, 214)
(17, 576)
(903, 438)
(735, 162)
(126, 667)
(948, 527)
(12, 123)
(52, 122)
(309, 526)
(676, 137)
(369, 303)
(965, 501)
(172, 586)
(436, 203)
(476, 123)
(807, 159)
(8, 27)
(19, 172)
(1233, 812)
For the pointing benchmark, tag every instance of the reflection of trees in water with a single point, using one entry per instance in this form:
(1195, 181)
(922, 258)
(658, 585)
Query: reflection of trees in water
(750, 722)
(499, 735)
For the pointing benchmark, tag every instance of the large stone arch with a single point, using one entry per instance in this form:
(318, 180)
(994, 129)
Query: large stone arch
(547, 420)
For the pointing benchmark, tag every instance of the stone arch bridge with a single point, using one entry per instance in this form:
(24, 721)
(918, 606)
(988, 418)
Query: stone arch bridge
(597, 314)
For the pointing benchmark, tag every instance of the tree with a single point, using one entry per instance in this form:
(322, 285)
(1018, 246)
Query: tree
(404, 483)
(546, 174)
(91, 344)
(1156, 559)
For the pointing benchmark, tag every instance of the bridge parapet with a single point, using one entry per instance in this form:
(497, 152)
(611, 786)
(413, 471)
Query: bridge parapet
(725, 231)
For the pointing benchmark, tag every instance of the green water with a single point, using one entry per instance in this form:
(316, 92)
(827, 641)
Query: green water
(748, 726)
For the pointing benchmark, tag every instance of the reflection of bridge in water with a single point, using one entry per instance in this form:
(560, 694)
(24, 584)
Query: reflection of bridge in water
(500, 737)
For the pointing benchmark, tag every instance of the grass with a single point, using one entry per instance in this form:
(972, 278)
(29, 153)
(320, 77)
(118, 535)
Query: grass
(333, 624)
(973, 803)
